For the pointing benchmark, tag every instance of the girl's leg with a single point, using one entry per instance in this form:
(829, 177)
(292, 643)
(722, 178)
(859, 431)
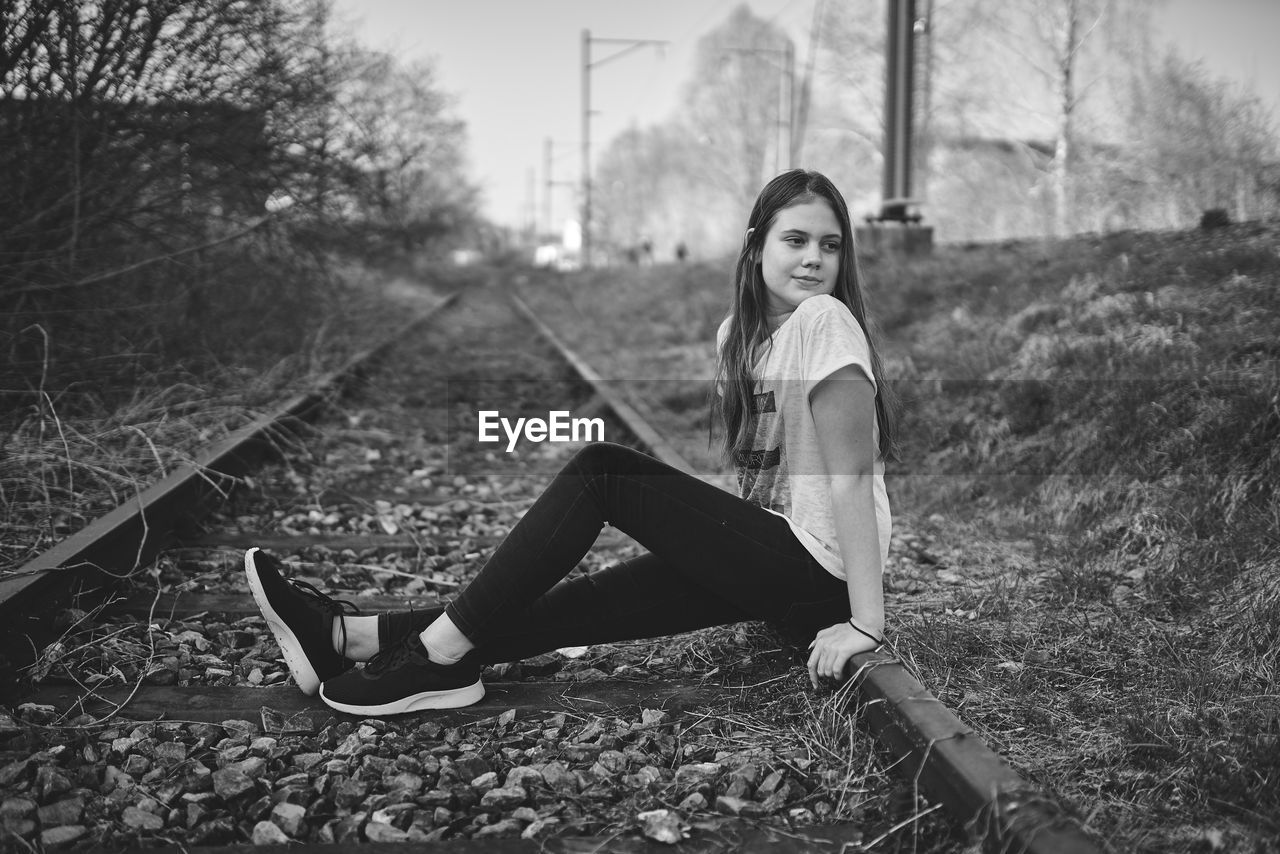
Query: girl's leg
(640, 598)
(553, 536)
(716, 558)
(357, 637)
(643, 597)
(745, 561)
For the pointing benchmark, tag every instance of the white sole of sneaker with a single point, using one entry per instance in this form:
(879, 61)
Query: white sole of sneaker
(451, 699)
(299, 665)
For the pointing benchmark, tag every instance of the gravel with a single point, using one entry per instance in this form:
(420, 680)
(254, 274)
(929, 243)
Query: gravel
(391, 780)
(120, 785)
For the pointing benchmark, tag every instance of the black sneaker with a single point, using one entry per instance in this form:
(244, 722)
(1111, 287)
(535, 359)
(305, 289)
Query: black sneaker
(403, 679)
(301, 618)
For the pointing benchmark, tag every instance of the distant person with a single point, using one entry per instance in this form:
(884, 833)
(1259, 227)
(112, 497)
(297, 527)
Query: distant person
(682, 252)
(808, 423)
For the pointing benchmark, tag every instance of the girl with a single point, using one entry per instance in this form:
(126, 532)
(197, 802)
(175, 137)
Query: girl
(808, 423)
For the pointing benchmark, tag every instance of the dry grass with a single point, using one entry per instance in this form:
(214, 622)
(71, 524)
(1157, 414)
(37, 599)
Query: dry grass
(58, 474)
(1093, 447)
(1140, 396)
(108, 391)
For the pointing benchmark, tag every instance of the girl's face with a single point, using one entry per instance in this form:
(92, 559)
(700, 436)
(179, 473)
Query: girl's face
(800, 257)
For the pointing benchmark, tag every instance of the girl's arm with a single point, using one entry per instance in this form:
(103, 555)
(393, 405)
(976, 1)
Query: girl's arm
(843, 407)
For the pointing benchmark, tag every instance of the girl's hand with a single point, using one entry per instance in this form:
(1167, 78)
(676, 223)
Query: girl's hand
(832, 649)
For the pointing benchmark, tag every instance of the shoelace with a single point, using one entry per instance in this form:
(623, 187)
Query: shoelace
(410, 646)
(335, 608)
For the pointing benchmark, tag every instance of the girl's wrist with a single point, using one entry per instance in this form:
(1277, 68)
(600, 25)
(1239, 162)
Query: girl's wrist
(861, 628)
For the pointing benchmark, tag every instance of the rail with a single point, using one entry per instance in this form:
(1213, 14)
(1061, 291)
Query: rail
(922, 738)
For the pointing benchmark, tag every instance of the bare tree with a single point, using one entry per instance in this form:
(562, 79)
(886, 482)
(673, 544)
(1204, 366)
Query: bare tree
(403, 148)
(1051, 37)
(1197, 143)
(805, 95)
(139, 137)
(1103, 131)
(1064, 28)
(734, 102)
(852, 59)
(133, 118)
(653, 187)
(152, 124)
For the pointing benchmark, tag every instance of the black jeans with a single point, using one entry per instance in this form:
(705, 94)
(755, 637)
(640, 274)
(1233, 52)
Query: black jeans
(712, 559)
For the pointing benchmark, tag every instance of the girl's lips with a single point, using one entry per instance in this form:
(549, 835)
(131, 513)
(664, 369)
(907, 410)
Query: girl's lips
(806, 280)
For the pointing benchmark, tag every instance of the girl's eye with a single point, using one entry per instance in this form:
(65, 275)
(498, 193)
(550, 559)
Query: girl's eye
(795, 241)
(832, 247)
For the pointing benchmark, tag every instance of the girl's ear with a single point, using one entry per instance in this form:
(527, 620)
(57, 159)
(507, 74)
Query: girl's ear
(746, 237)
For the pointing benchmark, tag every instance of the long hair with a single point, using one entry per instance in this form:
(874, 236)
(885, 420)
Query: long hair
(749, 332)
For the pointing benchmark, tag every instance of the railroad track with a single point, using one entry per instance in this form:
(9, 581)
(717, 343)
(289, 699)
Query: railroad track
(164, 692)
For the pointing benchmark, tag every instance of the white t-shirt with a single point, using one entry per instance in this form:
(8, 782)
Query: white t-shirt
(784, 472)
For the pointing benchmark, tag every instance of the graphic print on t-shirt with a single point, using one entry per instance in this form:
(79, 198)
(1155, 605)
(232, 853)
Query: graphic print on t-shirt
(762, 470)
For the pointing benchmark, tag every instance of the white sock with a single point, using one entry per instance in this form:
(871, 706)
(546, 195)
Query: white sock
(434, 654)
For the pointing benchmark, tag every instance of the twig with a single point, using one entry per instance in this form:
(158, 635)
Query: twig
(769, 681)
(146, 262)
(151, 656)
(882, 837)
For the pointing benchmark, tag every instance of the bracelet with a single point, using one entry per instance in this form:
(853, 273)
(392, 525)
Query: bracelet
(862, 631)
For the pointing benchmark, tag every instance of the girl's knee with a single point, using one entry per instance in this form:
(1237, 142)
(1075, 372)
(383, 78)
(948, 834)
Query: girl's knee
(602, 457)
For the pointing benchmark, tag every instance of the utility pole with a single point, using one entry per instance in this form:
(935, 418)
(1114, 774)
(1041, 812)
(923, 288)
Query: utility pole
(898, 228)
(530, 205)
(629, 46)
(898, 108)
(549, 183)
(546, 189)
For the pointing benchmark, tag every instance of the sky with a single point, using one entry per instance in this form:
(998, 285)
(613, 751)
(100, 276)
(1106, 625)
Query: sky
(514, 68)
